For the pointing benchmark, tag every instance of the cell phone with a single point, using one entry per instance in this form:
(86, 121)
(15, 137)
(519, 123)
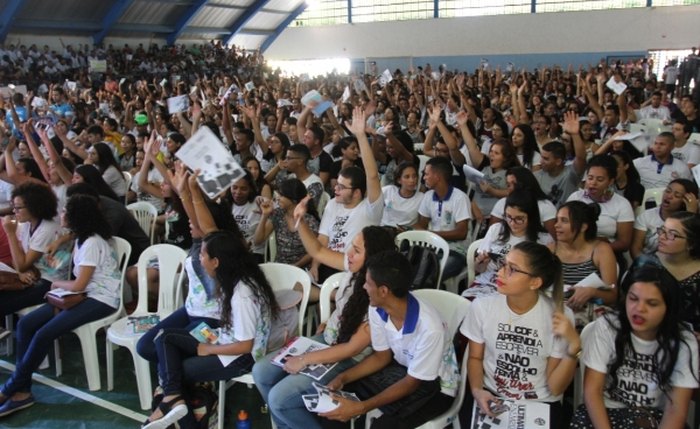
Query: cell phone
(494, 256)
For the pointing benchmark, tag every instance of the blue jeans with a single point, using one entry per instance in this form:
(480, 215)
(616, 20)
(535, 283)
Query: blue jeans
(178, 319)
(36, 332)
(282, 391)
(12, 301)
(178, 362)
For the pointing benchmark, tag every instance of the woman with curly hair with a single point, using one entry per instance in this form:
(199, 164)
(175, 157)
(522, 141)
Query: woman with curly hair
(247, 306)
(97, 275)
(101, 156)
(641, 362)
(346, 331)
(29, 233)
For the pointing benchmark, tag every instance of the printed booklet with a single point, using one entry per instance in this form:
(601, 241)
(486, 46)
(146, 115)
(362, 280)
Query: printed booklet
(323, 400)
(513, 414)
(299, 346)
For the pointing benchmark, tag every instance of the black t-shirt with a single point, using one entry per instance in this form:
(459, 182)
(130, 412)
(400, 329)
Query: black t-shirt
(124, 225)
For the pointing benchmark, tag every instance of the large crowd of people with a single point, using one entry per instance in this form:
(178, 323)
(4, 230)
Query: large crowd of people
(552, 169)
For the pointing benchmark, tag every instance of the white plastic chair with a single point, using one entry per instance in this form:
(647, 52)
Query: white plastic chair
(128, 178)
(171, 275)
(87, 334)
(146, 214)
(280, 277)
(418, 147)
(430, 240)
(471, 256)
(322, 203)
(422, 161)
(453, 311)
(324, 300)
(656, 194)
(578, 376)
(271, 248)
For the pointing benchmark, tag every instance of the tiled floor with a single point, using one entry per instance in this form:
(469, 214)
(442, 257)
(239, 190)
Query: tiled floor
(66, 403)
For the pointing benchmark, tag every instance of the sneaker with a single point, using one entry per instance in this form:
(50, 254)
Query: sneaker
(11, 406)
(4, 333)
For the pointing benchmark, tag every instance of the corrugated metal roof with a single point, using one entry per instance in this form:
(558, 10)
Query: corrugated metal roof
(141, 19)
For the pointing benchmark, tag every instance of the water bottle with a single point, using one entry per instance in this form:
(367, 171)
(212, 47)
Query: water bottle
(243, 421)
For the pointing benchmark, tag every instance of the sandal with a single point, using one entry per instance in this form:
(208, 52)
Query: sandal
(172, 412)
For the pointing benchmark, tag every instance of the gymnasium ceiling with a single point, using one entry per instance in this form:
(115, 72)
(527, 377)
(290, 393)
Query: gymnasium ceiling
(253, 24)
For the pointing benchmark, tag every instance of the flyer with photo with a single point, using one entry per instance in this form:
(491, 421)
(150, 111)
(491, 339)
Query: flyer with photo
(299, 346)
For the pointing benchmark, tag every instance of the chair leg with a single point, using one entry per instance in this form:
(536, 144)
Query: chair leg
(222, 403)
(57, 357)
(109, 358)
(92, 366)
(9, 321)
(143, 380)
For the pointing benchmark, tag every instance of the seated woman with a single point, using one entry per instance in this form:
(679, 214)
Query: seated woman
(346, 331)
(627, 181)
(91, 175)
(29, 233)
(101, 156)
(402, 198)
(246, 212)
(521, 180)
(522, 312)
(246, 305)
(680, 195)
(521, 222)
(96, 273)
(616, 220)
(679, 253)
(253, 166)
(641, 362)
(280, 220)
(201, 304)
(582, 254)
(348, 154)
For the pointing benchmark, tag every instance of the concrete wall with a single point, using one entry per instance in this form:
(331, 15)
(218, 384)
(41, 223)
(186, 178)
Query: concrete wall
(528, 40)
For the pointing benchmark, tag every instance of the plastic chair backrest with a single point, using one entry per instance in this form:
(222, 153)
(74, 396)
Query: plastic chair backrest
(324, 301)
(123, 250)
(471, 256)
(453, 308)
(128, 178)
(145, 214)
(655, 194)
(422, 161)
(322, 203)
(429, 239)
(171, 274)
(283, 276)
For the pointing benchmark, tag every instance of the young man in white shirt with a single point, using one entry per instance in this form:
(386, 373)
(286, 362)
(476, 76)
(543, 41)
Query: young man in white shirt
(358, 200)
(659, 168)
(654, 110)
(447, 210)
(403, 376)
(682, 149)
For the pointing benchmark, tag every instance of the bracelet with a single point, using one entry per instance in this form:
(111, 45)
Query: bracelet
(199, 201)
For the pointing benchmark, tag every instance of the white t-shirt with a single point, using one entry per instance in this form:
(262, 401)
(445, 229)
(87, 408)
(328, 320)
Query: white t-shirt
(247, 218)
(115, 180)
(444, 215)
(247, 321)
(105, 281)
(492, 244)
(637, 385)
(536, 160)
(39, 241)
(655, 175)
(648, 221)
(414, 345)
(154, 176)
(547, 209)
(198, 304)
(399, 210)
(651, 112)
(689, 153)
(615, 210)
(517, 346)
(341, 224)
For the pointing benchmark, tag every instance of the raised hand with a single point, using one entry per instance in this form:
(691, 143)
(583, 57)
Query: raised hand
(571, 123)
(357, 127)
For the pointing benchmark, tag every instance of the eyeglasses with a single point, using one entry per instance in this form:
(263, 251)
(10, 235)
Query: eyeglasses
(671, 235)
(518, 220)
(342, 187)
(509, 269)
(17, 208)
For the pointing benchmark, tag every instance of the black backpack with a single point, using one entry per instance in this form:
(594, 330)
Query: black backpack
(425, 262)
